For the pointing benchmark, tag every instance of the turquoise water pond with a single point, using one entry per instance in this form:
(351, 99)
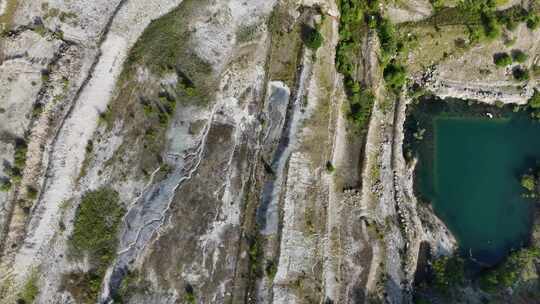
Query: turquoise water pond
(470, 171)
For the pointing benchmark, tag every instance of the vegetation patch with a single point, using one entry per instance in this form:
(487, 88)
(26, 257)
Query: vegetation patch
(286, 46)
(533, 21)
(357, 17)
(83, 286)
(502, 59)
(330, 167)
(255, 256)
(448, 272)
(395, 76)
(519, 56)
(147, 105)
(15, 171)
(96, 223)
(507, 273)
(520, 73)
(94, 235)
(30, 289)
(134, 282)
(247, 33)
(453, 30)
(271, 269)
(528, 181)
(482, 19)
(352, 27)
(312, 37)
(167, 40)
(534, 101)
(5, 185)
(189, 296)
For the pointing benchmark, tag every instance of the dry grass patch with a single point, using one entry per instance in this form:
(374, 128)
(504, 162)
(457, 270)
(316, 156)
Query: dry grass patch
(7, 17)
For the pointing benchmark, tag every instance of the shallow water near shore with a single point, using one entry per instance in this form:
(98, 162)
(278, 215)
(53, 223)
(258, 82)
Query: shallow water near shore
(470, 173)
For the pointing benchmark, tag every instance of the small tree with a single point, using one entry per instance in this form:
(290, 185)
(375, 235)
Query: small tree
(312, 37)
(521, 74)
(437, 4)
(330, 167)
(502, 59)
(533, 22)
(360, 108)
(394, 75)
(519, 56)
(32, 192)
(5, 185)
(492, 29)
(448, 272)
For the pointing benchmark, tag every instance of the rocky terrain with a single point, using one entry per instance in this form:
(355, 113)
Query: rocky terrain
(221, 137)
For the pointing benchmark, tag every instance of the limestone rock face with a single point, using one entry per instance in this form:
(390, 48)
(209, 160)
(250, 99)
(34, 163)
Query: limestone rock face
(227, 143)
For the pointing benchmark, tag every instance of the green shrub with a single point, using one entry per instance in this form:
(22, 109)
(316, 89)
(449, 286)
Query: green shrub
(387, 37)
(437, 4)
(96, 222)
(255, 255)
(511, 24)
(361, 103)
(20, 153)
(502, 59)
(395, 76)
(492, 29)
(164, 45)
(533, 22)
(356, 16)
(5, 185)
(528, 182)
(512, 17)
(15, 175)
(521, 74)
(330, 167)
(30, 289)
(448, 272)
(519, 56)
(189, 296)
(271, 268)
(32, 192)
(312, 37)
(481, 19)
(507, 273)
(37, 109)
(534, 101)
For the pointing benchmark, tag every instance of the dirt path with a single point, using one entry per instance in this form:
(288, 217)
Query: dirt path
(76, 130)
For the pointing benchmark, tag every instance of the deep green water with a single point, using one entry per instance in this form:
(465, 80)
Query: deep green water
(470, 173)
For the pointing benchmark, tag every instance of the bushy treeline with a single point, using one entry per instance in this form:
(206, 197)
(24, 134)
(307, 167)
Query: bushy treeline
(484, 21)
(507, 273)
(357, 16)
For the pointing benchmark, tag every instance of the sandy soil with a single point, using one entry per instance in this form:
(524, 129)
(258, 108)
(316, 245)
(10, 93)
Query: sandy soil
(411, 10)
(3, 5)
